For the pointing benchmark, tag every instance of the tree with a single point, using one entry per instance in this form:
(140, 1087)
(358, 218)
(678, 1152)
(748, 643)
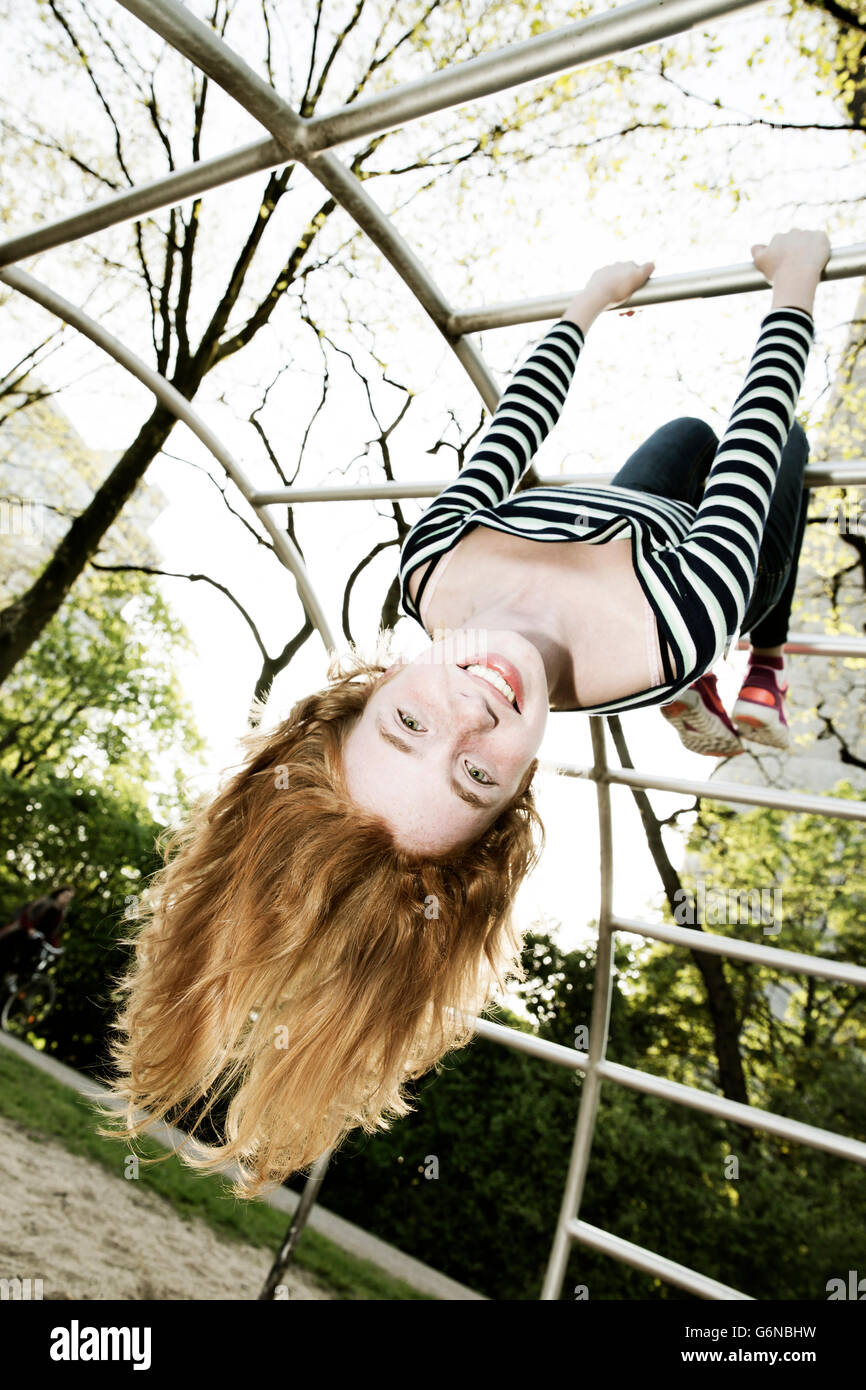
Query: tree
(211, 289)
(798, 881)
(98, 697)
(96, 739)
(100, 838)
(472, 1180)
(210, 298)
(199, 321)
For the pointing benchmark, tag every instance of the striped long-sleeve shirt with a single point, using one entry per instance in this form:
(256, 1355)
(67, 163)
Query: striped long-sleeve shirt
(697, 566)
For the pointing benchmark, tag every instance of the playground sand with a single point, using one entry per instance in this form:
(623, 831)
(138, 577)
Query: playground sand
(89, 1234)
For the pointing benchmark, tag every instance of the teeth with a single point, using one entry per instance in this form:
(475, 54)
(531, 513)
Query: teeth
(494, 678)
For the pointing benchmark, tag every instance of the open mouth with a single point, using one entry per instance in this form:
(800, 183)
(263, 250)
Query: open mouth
(499, 674)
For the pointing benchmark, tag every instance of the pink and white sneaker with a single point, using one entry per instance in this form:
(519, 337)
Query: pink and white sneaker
(701, 721)
(759, 713)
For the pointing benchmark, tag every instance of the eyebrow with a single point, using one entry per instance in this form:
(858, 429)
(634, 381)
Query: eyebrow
(463, 792)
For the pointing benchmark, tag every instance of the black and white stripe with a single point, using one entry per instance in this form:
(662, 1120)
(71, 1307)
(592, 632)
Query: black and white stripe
(697, 566)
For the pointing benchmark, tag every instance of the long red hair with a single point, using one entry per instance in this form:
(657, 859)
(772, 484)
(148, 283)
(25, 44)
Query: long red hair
(290, 955)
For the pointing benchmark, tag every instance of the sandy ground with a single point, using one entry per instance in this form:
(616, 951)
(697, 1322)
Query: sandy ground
(90, 1235)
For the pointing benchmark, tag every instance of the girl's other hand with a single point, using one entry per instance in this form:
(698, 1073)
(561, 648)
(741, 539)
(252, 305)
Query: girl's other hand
(795, 250)
(613, 284)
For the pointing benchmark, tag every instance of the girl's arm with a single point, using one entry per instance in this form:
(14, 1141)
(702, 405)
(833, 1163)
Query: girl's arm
(527, 411)
(717, 562)
(533, 401)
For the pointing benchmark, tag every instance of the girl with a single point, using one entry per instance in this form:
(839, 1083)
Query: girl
(332, 924)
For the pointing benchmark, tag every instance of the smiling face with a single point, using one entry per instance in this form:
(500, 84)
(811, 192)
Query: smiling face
(441, 750)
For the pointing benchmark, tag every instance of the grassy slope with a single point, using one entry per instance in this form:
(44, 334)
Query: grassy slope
(42, 1106)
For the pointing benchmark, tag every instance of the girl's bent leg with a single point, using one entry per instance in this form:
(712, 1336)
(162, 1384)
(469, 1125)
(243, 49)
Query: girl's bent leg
(673, 462)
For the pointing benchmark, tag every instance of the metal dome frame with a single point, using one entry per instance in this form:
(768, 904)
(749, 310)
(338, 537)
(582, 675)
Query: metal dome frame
(311, 142)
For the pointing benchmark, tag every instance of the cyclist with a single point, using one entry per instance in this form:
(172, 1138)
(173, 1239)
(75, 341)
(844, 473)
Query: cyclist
(41, 918)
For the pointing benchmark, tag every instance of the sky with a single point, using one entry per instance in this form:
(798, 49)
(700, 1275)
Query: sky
(539, 232)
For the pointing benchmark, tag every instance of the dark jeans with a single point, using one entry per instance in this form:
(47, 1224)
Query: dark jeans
(674, 462)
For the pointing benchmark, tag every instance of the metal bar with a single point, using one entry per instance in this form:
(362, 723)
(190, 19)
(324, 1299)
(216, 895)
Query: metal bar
(844, 263)
(692, 1097)
(795, 962)
(360, 492)
(286, 1252)
(841, 474)
(650, 1263)
(181, 408)
(353, 196)
(572, 47)
(148, 197)
(816, 475)
(818, 644)
(711, 1104)
(532, 1045)
(202, 46)
(195, 41)
(602, 996)
(832, 806)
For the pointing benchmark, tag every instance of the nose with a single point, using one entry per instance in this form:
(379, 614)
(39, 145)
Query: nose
(471, 705)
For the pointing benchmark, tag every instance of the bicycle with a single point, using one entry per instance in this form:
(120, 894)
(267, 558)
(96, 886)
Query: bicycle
(30, 997)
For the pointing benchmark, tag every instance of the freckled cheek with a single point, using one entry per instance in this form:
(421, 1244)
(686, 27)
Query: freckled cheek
(517, 763)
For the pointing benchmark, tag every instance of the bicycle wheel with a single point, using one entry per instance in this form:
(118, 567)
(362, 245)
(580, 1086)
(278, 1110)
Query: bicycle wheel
(29, 1006)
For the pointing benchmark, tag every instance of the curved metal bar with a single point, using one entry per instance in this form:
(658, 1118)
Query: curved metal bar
(575, 46)
(181, 408)
(844, 263)
(195, 41)
(602, 997)
(199, 43)
(351, 194)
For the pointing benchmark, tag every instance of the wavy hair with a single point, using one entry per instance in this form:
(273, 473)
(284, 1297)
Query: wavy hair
(289, 955)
